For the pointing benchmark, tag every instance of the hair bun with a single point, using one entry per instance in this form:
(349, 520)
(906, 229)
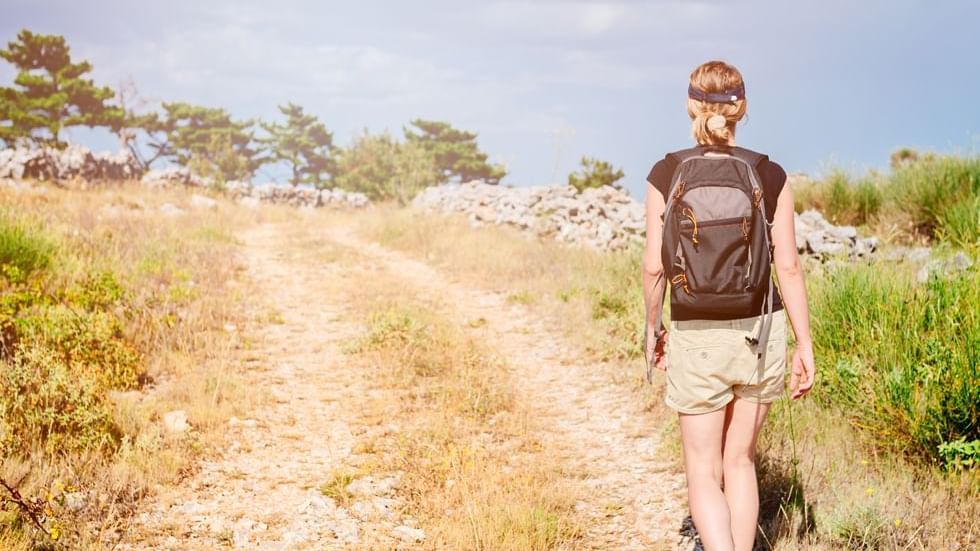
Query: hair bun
(716, 122)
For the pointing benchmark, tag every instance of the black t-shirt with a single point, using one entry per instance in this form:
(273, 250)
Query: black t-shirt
(773, 178)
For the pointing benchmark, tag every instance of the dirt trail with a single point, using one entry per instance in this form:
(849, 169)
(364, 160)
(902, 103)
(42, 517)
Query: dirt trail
(597, 428)
(263, 493)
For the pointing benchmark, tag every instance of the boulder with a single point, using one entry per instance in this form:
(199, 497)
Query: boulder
(176, 421)
(945, 267)
(816, 236)
(170, 209)
(408, 534)
(202, 202)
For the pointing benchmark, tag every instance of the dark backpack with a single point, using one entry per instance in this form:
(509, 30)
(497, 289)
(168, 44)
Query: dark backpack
(717, 250)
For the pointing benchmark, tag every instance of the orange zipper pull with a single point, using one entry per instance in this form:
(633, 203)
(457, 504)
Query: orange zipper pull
(690, 214)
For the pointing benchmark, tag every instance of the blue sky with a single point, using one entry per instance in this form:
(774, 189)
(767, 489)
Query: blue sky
(830, 84)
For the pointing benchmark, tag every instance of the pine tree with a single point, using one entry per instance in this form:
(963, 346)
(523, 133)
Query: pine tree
(455, 152)
(51, 92)
(206, 137)
(594, 173)
(304, 143)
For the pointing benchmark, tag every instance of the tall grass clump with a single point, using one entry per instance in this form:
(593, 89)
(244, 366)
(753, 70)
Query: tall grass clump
(960, 223)
(902, 358)
(942, 194)
(842, 200)
(23, 252)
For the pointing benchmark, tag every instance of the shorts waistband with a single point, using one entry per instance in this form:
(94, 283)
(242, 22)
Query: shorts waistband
(739, 323)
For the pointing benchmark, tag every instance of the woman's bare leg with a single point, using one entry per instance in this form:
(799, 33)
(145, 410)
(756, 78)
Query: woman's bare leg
(701, 436)
(743, 421)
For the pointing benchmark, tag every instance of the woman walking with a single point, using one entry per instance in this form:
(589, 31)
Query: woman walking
(725, 352)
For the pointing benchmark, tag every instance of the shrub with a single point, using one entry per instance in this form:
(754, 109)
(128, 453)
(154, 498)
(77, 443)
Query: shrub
(903, 155)
(46, 403)
(97, 290)
(86, 342)
(960, 454)
(61, 350)
(382, 168)
(902, 359)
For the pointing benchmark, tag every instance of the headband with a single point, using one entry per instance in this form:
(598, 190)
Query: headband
(728, 96)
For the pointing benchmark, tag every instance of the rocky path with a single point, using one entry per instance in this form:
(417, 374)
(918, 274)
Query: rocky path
(264, 491)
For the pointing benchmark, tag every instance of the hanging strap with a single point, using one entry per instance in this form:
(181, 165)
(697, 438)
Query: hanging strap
(646, 324)
(760, 341)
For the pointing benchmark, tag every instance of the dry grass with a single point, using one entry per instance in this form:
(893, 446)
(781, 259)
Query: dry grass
(185, 314)
(472, 472)
(823, 484)
(589, 291)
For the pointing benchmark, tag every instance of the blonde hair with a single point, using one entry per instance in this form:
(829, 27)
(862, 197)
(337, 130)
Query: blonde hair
(714, 123)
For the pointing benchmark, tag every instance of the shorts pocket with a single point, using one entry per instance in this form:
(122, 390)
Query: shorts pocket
(698, 377)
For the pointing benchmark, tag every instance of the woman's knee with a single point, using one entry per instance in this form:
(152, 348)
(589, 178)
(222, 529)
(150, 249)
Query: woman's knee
(738, 458)
(705, 469)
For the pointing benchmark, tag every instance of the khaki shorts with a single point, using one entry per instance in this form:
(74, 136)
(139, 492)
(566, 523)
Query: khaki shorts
(709, 362)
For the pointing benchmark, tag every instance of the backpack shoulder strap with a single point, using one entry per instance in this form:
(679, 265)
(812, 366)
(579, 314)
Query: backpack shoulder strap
(754, 158)
(684, 154)
(678, 158)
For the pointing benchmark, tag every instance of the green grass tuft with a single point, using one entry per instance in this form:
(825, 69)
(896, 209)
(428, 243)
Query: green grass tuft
(23, 252)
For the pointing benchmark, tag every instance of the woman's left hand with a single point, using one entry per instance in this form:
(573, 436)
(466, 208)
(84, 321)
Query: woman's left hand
(658, 350)
(803, 371)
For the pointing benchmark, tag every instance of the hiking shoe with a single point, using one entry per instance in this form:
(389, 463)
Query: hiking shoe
(688, 531)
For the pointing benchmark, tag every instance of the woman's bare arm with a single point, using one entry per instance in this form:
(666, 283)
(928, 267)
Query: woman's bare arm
(654, 283)
(793, 291)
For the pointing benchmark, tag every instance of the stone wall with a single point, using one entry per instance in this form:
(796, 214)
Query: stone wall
(78, 162)
(73, 162)
(173, 176)
(604, 218)
(297, 196)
